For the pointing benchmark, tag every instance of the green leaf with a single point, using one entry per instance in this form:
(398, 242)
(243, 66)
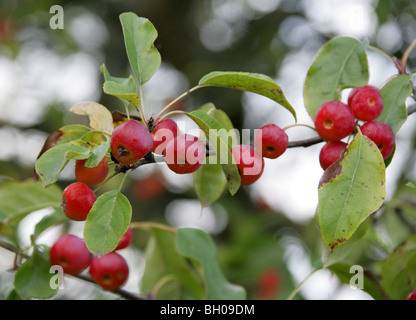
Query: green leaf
(107, 222)
(54, 160)
(98, 154)
(116, 89)
(394, 94)
(341, 63)
(216, 134)
(32, 279)
(399, 270)
(19, 198)
(209, 182)
(123, 88)
(163, 264)
(224, 122)
(55, 218)
(72, 132)
(100, 117)
(345, 274)
(350, 190)
(139, 36)
(197, 245)
(252, 82)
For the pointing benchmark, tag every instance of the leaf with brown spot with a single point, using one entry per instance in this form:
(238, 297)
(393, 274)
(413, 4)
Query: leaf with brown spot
(350, 190)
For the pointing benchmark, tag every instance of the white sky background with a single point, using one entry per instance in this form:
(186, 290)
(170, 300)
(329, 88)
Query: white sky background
(289, 183)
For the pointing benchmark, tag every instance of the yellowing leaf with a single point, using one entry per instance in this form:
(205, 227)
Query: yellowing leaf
(100, 117)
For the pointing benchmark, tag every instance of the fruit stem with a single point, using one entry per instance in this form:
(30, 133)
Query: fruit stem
(298, 125)
(145, 225)
(406, 54)
(296, 290)
(157, 118)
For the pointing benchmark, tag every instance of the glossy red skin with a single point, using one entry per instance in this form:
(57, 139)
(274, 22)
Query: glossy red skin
(366, 103)
(125, 240)
(381, 134)
(249, 162)
(331, 152)
(411, 295)
(166, 130)
(185, 154)
(271, 141)
(334, 121)
(135, 138)
(78, 199)
(91, 176)
(71, 253)
(109, 271)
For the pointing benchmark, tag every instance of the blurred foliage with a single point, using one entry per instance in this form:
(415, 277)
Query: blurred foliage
(252, 241)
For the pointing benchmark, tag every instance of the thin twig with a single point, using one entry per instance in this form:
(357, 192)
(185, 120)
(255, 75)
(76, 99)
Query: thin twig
(305, 143)
(120, 292)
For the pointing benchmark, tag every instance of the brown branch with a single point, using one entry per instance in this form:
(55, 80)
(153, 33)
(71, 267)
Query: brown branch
(305, 143)
(123, 293)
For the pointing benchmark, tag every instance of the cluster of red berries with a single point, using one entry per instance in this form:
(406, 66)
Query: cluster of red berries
(184, 153)
(109, 271)
(336, 120)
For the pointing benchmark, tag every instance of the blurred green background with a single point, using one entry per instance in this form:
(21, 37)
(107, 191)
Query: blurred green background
(269, 226)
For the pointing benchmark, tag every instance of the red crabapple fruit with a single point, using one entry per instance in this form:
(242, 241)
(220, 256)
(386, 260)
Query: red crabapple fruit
(91, 176)
(125, 240)
(381, 134)
(185, 154)
(166, 130)
(271, 141)
(78, 199)
(334, 121)
(130, 141)
(71, 253)
(110, 271)
(249, 162)
(366, 103)
(331, 152)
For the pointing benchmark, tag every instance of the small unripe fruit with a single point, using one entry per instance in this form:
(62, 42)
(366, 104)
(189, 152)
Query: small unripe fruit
(271, 141)
(185, 154)
(109, 271)
(130, 141)
(249, 163)
(78, 199)
(166, 130)
(331, 152)
(91, 176)
(366, 103)
(125, 240)
(381, 134)
(71, 253)
(334, 121)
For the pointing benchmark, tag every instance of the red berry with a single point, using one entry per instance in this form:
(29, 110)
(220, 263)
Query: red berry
(78, 199)
(269, 284)
(91, 176)
(366, 102)
(334, 121)
(271, 141)
(412, 295)
(249, 163)
(331, 152)
(130, 141)
(109, 271)
(71, 253)
(125, 240)
(184, 154)
(166, 130)
(381, 134)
